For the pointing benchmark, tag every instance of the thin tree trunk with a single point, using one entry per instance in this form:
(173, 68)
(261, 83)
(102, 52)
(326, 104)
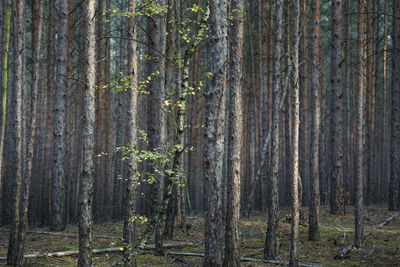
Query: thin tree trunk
(6, 32)
(232, 242)
(157, 127)
(100, 161)
(108, 181)
(58, 174)
(337, 205)
(49, 111)
(130, 193)
(359, 158)
(270, 249)
(394, 187)
(88, 123)
(385, 162)
(30, 128)
(17, 126)
(313, 230)
(295, 175)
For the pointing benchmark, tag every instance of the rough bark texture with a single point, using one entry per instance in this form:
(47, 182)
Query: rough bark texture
(156, 28)
(88, 140)
(49, 111)
(337, 205)
(31, 131)
(270, 249)
(58, 174)
(130, 193)
(313, 230)
(232, 242)
(214, 132)
(359, 156)
(6, 31)
(17, 126)
(385, 161)
(394, 193)
(295, 174)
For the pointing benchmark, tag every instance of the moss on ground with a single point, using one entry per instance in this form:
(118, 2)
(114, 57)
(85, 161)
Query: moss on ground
(382, 247)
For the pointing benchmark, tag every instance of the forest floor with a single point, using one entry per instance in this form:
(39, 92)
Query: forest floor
(382, 247)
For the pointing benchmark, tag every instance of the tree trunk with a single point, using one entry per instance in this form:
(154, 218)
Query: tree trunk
(394, 187)
(130, 193)
(385, 160)
(295, 175)
(337, 205)
(304, 106)
(270, 249)
(31, 131)
(359, 157)
(58, 174)
(156, 27)
(88, 123)
(6, 30)
(215, 132)
(313, 231)
(48, 154)
(232, 242)
(13, 258)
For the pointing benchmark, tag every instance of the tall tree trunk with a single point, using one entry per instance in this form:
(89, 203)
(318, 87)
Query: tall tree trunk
(156, 115)
(49, 111)
(215, 132)
(170, 52)
(130, 193)
(270, 249)
(100, 161)
(385, 162)
(359, 158)
(337, 205)
(31, 130)
(394, 187)
(304, 105)
(88, 123)
(6, 30)
(313, 231)
(232, 242)
(17, 126)
(295, 175)
(108, 181)
(58, 174)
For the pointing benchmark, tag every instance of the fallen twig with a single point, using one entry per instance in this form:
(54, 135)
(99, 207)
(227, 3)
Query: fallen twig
(344, 251)
(388, 220)
(71, 234)
(98, 251)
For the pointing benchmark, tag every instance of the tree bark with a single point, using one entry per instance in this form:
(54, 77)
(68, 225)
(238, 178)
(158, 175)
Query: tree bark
(232, 242)
(337, 205)
(48, 154)
(215, 132)
(313, 230)
(359, 157)
(394, 187)
(13, 258)
(157, 127)
(88, 123)
(270, 249)
(295, 175)
(130, 193)
(6, 32)
(31, 131)
(58, 173)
